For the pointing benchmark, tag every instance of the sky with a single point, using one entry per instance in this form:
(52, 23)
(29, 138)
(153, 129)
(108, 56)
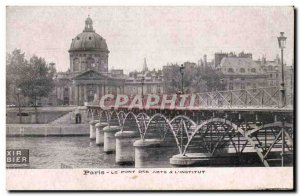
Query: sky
(160, 34)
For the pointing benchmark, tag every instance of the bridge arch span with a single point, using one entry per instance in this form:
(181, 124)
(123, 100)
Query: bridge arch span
(274, 141)
(104, 116)
(159, 127)
(227, 134)
(130, 123)
(114, 119)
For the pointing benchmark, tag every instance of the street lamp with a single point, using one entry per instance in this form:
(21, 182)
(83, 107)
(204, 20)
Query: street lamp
(181, 69)
(143, 81)
(19, 105)
(292, 84)
(282, 43)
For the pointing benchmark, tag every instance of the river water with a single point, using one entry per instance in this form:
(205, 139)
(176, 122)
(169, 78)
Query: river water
(81, 152)
(58, 152)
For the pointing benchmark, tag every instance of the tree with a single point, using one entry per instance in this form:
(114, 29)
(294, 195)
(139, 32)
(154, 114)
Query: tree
(171, 78)
(15, 65)
(37, 80)
(195, 78)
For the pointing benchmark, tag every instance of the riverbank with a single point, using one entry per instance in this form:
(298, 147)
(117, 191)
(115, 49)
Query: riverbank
(44, 114)
(22, 130)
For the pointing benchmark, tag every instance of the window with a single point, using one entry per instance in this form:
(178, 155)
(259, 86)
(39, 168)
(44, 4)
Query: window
(243, 86)
(78, 38)
(242, 70)
(230, 70)
(277, 75)
(254, 87)
(148, 89)
(230, 86)
(76, 64)
(90, 62)
(253, 70)
(90, 38)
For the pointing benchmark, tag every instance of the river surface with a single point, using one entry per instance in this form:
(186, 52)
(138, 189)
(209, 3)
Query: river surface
(81, 152)
(58, 152)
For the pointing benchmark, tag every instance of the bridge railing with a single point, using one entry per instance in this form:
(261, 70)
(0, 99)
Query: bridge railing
(259, 97)
(256, 97)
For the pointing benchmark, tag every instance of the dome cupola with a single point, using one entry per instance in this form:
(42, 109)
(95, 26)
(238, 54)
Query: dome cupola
(88, 40)
(88, 25)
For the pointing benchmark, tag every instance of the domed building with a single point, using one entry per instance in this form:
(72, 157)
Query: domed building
(88, 51)
(87, 78)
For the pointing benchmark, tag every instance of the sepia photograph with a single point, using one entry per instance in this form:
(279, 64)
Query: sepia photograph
(109, 94)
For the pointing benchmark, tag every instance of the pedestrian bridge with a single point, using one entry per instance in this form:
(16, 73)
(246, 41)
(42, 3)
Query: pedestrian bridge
(223, 123)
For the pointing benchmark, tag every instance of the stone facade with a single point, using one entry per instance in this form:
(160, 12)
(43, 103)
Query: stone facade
(242, 72)
(89, 78)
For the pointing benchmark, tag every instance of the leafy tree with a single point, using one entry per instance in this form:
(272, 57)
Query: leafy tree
(171, 78)
(15, 65)
(37, 82)
(34, 78)
(195, 78)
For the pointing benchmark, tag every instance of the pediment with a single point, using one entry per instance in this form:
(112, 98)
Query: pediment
(90, 75)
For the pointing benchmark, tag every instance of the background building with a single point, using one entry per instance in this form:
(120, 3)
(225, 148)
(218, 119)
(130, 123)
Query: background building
(148, 82)
(89, 77)
(242, 72)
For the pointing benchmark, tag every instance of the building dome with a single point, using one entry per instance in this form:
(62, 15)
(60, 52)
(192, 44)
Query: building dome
(88, 40)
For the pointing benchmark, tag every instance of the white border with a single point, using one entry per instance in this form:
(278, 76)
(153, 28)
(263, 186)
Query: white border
(4, 3)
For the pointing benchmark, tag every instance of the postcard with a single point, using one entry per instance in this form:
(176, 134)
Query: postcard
(150, 98)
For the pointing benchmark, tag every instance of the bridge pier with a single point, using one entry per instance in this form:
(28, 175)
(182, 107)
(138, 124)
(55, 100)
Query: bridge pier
(200, 159)
(100, 133)
(109, 144)
(153, 153)
(207, 159)
(124, 146)
(93, 129)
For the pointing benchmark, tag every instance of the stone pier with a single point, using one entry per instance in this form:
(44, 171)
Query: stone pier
(100, 133)
(124, 146)
(153, 153)
(109, 145)
(206, 159)
(191, 159)
(93, 129)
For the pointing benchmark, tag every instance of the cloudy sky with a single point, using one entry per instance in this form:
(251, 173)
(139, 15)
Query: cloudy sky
(161, 34)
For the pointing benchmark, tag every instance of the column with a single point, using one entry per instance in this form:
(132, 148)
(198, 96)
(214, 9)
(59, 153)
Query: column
(102, 90)
(70, 95)
(85, 93)
(80, 95)
(76, 95)
(80, 60)
(98, 91)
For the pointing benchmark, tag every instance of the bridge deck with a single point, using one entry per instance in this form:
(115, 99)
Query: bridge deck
(231, 109)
